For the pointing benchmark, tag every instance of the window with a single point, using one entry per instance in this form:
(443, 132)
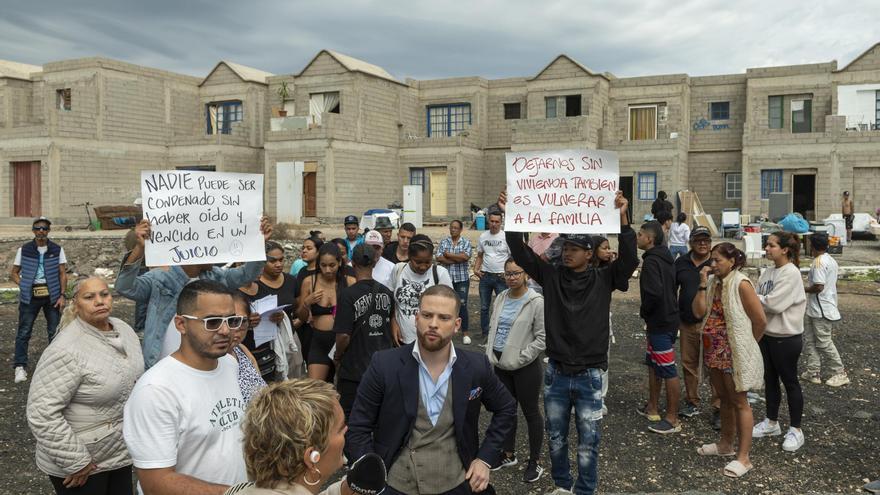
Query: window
(448, 120)
(643, 123)
(550, 107)
(554, 104)
(647, 186)
(877, 112)
(221, 115)
(62, 99)
(801, 116)
(771, 182)
(572, 105)
(417, 177)
(512, 111)
(774, 112)
(719, 110)
(321, 103)
(733, 186)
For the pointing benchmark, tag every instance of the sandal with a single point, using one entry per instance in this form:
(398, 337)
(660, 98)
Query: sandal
(736, 469)
(710, 449)
(642, 410)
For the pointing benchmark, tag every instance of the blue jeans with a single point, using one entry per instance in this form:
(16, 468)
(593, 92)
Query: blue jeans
(27, 314)
(489, 283)
(677, 251)
(462, 289)
(583, 391)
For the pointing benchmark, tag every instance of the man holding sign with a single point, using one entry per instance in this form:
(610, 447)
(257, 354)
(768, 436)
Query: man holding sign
(192, 220)
(577, 300)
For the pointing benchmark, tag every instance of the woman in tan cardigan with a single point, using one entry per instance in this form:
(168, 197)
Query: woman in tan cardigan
(76, 398)
(733, 322)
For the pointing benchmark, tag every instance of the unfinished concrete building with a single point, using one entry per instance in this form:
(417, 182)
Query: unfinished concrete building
(353, 134)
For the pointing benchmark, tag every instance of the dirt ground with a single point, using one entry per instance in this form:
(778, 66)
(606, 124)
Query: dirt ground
(842, 426)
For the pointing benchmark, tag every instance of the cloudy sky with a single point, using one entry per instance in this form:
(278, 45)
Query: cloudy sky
(488, 38)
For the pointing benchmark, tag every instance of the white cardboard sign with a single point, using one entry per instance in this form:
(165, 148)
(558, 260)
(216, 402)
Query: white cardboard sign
(202, 217)
(563, 191)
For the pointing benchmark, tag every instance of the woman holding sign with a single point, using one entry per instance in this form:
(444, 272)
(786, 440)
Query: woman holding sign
(318, 307)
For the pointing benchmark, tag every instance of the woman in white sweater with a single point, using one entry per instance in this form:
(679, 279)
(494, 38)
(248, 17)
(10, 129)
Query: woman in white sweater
(733, 323)
(781, 291)
(77, 395)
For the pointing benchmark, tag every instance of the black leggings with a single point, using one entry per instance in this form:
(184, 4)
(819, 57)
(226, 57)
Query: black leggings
(781, 363)
(525, 385)
(116, 482)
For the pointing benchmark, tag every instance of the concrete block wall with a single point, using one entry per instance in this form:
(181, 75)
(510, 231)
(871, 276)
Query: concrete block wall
(706, 90)
(133, 109)
(707, 175)
(81, 121)
(378, 111)
(292, 153)
(663, 91)
(870, 60)
(502, 92)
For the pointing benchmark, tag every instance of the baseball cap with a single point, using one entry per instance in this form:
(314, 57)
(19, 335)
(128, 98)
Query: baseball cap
(699, 231)
(582, 241)
(846, 193)
(373, 238)
(41, 219)
(383, 223)
(351, 219)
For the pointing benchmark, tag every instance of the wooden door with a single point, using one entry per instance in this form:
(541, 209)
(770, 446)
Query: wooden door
(438, 193)
(310, 194)
(26, 190)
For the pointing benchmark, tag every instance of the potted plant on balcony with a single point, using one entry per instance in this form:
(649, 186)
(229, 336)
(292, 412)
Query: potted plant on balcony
(283, 92)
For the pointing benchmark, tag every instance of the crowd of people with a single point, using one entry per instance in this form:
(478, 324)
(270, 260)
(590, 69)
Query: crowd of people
(359, 373)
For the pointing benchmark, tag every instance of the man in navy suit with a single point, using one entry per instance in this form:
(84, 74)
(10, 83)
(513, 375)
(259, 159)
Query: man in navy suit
(418, 407)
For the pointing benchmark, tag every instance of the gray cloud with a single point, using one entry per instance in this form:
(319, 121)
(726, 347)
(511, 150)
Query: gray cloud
(489, 38)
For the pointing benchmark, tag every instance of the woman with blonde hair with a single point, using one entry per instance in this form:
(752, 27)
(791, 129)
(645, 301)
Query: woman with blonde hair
(294, 434)
(76, 399)
(733, 323)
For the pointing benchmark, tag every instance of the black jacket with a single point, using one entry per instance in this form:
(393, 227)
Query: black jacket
(387, 404)
(687, 281)
(576, 304)
(660, 205)
(659, 306)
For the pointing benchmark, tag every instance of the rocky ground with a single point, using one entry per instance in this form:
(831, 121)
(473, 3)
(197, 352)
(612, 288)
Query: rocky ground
(842, 426)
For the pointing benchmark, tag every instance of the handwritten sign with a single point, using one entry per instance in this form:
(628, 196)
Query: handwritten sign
(202, 217)
(564, 191)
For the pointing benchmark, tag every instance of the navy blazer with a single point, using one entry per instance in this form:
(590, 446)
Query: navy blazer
(387, 404)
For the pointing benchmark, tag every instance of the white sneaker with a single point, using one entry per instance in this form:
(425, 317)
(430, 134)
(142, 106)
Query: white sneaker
(794, 440)
(763, 429)
(20, 374)
(812, 377)
(466, 340)
(561, 491)
(838, 380)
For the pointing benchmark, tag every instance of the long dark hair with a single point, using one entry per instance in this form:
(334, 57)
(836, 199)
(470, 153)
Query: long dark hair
(731, 252)
(331, 249)
(793, 243)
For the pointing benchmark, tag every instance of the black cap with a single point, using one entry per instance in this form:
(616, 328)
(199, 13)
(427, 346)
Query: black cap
(41, 219)
(351, 219)
(583, 241)
(846, 193)
(383, 223)
(819, 241)
(700, 231)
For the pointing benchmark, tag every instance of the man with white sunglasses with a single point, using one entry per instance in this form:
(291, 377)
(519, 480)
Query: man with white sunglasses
(182, 421)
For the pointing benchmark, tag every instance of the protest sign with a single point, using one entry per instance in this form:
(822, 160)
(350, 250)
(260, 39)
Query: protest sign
(202, 217)
(563, 191)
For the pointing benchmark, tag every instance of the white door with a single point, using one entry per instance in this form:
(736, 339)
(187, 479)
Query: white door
(412, 205)
(289, 187)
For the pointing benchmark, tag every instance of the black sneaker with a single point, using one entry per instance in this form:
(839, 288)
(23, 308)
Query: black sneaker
(506, 460)
(688, 410)
(716, 419)
(533, 472)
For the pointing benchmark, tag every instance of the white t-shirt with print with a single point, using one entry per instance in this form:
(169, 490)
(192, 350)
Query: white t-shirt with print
(823, 271)
(407, 288)
(383, 272)
(188, 418)
(495, 251)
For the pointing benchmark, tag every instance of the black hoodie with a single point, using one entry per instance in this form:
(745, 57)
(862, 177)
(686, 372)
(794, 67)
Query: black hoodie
(576, 304)
(659, 306)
